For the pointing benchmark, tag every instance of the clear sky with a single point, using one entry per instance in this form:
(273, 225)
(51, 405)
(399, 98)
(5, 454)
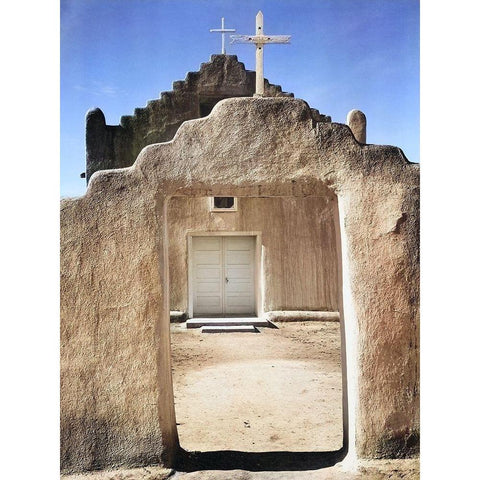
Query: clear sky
(344, 54)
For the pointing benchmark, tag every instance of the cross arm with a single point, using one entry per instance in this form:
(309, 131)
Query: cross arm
(260, 39)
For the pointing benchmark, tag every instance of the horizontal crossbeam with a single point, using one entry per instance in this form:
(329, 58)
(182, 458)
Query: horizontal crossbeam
(223, 31)
(260, 39)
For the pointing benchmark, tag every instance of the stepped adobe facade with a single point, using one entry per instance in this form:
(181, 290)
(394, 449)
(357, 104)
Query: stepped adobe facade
(117, 146)
(255, 205)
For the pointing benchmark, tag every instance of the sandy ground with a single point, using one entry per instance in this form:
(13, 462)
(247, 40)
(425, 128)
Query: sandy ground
(365, 470)
(277, 390)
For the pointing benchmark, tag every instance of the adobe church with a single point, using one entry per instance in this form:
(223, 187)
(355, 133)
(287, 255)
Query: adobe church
(213, 202)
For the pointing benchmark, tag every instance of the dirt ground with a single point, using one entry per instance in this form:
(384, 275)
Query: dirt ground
(277, 390)
(408, 469)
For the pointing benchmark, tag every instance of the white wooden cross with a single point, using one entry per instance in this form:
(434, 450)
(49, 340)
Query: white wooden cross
(259, 40)
(223, 30)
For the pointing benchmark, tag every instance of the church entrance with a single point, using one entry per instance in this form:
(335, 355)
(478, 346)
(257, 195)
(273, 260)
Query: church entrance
(222, 275)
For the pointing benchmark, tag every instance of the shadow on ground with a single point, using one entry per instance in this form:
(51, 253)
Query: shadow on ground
(256, 461)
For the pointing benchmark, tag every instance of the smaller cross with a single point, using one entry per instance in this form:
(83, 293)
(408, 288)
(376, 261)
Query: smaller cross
(259, 40)
(223, 30)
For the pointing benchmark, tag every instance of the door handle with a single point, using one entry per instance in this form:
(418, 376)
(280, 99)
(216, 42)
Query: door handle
(226, 279)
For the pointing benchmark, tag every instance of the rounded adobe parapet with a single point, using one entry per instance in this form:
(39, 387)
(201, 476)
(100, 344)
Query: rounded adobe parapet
(95, 116)
(357, 121)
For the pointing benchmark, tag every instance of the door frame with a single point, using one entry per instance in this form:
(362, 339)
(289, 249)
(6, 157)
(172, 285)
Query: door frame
(257, 265)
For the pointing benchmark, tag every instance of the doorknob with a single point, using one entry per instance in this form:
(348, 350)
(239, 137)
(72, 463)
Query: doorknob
(226, 280)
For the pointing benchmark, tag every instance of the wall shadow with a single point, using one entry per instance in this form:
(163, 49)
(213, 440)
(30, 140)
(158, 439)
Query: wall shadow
(186, 461)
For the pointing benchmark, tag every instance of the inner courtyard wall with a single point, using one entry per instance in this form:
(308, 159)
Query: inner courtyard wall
(299, 257)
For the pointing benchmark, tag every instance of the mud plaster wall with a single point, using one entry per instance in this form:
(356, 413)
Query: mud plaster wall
(117, 146)
(117, 397)
(111, 299)
(299, 247)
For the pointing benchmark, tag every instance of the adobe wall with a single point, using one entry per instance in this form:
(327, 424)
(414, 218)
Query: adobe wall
(114, 408)
(117, 146)
(300, 268)
(117, 396)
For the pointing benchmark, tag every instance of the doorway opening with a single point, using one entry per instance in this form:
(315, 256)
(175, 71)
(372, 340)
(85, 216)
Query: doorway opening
(281, 391)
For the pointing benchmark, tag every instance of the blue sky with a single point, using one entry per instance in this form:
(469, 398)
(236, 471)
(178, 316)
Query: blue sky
(344, 54)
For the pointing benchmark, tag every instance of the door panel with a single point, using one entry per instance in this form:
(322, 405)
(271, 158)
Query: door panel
(223, 275)
(208, 258)
(207, 275)
(239, 254)
(208, 243)
(208, 302)
(238, 258)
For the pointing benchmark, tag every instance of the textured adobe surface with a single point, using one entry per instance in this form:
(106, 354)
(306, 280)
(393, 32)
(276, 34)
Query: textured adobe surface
(117, 146)
(357, 121)
(117, 402)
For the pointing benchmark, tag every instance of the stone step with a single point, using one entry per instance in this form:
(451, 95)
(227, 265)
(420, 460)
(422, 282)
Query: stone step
(225, 322)
(229, 329)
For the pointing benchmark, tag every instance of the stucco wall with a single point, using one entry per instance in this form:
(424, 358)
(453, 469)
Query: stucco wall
(111, 345)
(115, 358)
(300, 270)
(117, 146)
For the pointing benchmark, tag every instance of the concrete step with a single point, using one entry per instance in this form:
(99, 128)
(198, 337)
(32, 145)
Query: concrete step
(228, 322)
(229, 329)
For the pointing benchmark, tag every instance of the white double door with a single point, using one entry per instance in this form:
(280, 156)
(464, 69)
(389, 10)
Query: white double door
(223, 275)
